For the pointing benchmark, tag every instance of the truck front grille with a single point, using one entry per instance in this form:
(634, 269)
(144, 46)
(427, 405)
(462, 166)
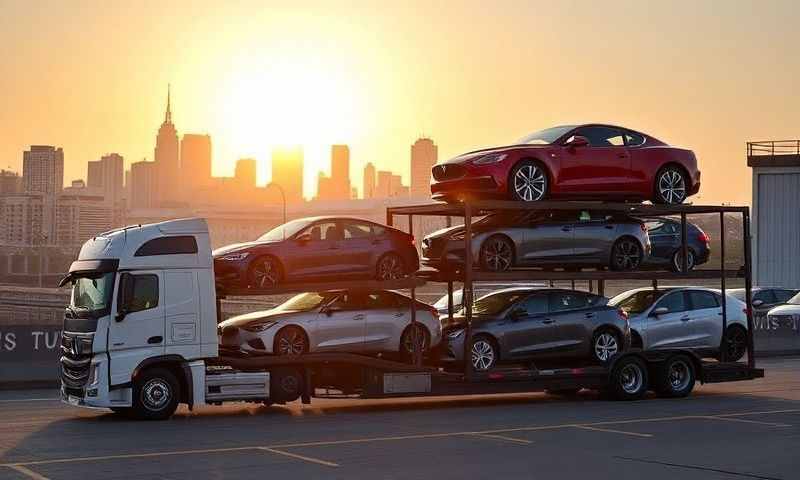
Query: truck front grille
(76, 361)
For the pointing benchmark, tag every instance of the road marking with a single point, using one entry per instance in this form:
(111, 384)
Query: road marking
(608, 430)
(128, 456)
(20, 400)
(27, 472)
(491, 436)
(299, 457)
(744, 420)
(766, 412)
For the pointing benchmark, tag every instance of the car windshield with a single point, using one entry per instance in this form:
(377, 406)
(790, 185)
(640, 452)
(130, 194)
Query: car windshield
(738, 294)
(794, 300)
(495, 303)
(637, 302)
(546, 136)
(284, 231)
(92, 292)
(302, 303)
(442, 303)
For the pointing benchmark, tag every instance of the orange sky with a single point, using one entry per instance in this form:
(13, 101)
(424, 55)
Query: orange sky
(92, 78)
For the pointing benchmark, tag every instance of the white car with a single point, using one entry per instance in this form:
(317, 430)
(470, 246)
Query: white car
(684, 317)
(335, 321)
(787, 315)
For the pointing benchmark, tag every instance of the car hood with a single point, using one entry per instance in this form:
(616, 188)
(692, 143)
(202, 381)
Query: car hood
(460, 322)
(235, 247)
(785, 310)
(446, 232)
(464, 157)
(240, 321)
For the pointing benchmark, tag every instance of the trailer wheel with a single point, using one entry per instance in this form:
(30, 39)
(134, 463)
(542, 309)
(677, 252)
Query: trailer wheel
(629, 379)
(155, 394)
(285, 385)
(675, 377)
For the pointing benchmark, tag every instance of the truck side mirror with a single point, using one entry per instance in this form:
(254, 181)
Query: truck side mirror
(124, 296)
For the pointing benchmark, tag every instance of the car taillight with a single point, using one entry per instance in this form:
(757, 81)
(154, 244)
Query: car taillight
(622, 314)
(412, 239)
(703, 237)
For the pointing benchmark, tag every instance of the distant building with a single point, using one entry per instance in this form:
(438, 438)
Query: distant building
(168, 190)
(142, 189)
(94, 174)
(340, 172)
(43, 170)
(424, 154)
(324, 187)
(79, 217)
(287, 172)
(390, 185)
(10, 182)
(369, 181)
(245, 174)
(22, 217)
(195, 162)
(105, 178)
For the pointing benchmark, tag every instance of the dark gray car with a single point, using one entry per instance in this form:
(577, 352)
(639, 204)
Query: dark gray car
(570, 239)
(532, 324)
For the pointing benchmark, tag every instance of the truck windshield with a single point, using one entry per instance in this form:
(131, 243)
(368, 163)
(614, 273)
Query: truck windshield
(92, 293)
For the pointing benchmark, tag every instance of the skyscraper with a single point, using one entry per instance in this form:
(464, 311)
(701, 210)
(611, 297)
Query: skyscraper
(245, 174)
(94, 175)
(340, 172)
(168, 184)
(287, 172)
(369, 181)
(10, 182)
(195, 162)
(105, 177)
(142, 185)
(43, 170)
(424, 154)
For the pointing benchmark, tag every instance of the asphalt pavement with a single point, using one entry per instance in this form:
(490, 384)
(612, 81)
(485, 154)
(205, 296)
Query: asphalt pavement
(723, 431)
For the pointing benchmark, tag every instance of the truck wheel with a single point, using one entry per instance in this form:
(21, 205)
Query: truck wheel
(675, 377)
(285, 385)
(155, 394)
(629, 379)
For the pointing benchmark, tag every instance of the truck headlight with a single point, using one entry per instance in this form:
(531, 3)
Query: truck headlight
(235, 257)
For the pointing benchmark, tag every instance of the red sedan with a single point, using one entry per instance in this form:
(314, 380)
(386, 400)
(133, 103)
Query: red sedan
(586, 162)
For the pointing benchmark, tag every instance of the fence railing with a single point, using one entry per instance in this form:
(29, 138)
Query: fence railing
(773, 147)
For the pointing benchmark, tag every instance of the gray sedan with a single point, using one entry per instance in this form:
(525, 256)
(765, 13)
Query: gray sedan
(532, 324)
(533, 239)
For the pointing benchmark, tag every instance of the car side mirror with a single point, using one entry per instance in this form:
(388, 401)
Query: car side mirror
(124, 297)
(303, 238)
(758, 303)
(660, 311)
(328, 310)
(578, 141)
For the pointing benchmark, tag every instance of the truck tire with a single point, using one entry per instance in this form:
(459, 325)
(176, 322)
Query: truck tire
(675, 377)
(628, 380)
(155, 394)
(285, 385)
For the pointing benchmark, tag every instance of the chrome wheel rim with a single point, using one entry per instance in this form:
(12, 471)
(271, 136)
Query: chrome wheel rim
(679, 375)
(627, 255)
(265, 273)
(530, 183)
(631, 378)
(291, 343)
(736, 344)
(390, 268)
(156, 394)
(414, 340)
(679, 261)
(482, 355)
(497, 255)
(605, 346)
(672, 187)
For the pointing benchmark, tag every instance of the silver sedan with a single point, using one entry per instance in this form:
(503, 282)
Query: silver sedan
(337, 321)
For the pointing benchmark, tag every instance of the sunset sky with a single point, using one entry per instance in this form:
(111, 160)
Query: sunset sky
(92, 77)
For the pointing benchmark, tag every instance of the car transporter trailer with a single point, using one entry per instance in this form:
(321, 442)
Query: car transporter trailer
(629, 375)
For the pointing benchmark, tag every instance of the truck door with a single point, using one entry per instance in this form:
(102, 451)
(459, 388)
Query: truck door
(136, 330)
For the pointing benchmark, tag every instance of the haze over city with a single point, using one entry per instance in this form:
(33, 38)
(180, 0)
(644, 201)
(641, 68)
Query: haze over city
(256, 76)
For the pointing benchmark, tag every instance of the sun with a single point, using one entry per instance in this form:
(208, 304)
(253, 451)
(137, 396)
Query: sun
(294, 100)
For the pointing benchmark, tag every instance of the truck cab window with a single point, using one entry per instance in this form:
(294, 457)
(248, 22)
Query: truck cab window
(144, 293)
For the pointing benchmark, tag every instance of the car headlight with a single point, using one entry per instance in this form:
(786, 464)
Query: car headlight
(259, 327)
(235, 257)
(455, 334)
(489, 159)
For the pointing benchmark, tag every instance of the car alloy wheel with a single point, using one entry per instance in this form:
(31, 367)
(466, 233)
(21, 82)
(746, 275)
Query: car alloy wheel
(677, 261)
(156, 394)
(530, 183)
(498, 254)
(672, 186)
(390, 267)
(483, 355)
(265, 273)
(290, 342)
(627, 254)
(605, 346)
(735, 344)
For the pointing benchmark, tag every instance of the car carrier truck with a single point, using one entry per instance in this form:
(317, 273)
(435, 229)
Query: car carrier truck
(140, 337)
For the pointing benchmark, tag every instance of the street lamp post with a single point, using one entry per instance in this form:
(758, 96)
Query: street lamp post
(283, 197)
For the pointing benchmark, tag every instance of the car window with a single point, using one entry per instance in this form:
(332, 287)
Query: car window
(379, 300)
(349, 301)
(633, 139)
(701, 300)
(356, 229)
(566, 301)
(765, 296)
(602, 136)
(783, 296)
(674, 302)
(636, 302)
(535, 304)
(325, 230)
(145, 293)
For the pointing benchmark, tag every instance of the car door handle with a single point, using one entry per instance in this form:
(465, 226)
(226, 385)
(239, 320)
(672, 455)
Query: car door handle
(589, 314)
(622, 155)
(610, 227)
(566, 229)
(548, 321)
(684, 319)
(358, 317)
(155, 340)
(399, 314)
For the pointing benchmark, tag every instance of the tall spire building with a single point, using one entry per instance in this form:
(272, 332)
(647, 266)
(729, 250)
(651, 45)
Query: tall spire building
(167, 162)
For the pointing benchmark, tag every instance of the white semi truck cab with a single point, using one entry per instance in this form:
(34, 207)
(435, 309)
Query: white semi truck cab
(142, 320)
